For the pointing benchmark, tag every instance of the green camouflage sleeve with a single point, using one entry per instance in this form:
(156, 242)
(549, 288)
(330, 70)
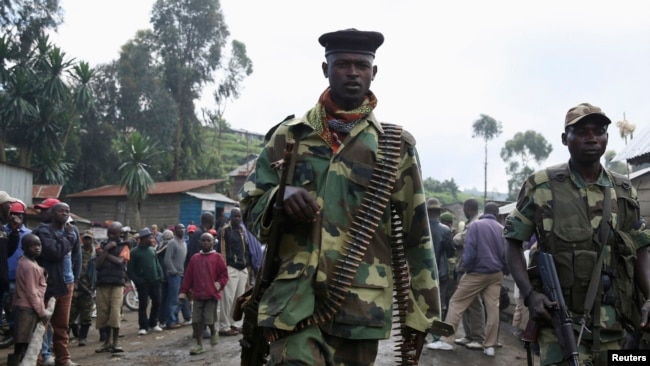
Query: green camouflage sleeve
(640, 233)
(520, 223)
(259, 189)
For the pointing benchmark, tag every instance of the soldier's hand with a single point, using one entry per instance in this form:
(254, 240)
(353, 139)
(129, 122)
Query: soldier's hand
(645, 313)
(300, 205)
(539, 306)
(110, 245)
(44, 319)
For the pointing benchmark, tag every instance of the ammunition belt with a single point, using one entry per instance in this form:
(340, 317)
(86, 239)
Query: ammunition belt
(360, 232)
(405, 351)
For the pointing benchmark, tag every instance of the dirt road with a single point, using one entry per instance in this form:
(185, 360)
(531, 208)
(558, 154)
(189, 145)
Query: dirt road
(172, 348)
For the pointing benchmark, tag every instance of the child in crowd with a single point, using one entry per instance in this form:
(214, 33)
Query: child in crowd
(29, 298)
(205, 277)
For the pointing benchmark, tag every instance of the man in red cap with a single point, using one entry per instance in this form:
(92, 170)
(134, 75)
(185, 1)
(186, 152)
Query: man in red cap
(16, 209)
(44, 207)
(61, 258)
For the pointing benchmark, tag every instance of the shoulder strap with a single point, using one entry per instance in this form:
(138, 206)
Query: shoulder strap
(558, 172)
(602, 237)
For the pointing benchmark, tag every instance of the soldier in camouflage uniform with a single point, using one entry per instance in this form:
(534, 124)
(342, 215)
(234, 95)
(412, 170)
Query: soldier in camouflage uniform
(83, 298)
(337, 147)
(563, 205)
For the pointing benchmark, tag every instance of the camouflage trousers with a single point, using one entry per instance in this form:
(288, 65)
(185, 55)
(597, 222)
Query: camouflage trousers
(311, 346)
(81, 308)
(550, 351)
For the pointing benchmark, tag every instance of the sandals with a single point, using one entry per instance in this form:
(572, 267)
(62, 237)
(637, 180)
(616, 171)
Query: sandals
(196, 350)
(229, 332)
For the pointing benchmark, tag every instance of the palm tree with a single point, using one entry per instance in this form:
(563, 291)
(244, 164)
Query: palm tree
(487, 128)
(136, 151)
(625, 128)
(43, 95)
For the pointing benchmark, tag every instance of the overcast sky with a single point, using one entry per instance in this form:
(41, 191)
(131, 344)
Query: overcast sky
(441, 66)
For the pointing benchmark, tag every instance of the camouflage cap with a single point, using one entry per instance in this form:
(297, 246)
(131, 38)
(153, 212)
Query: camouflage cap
(447, 218)
(582, 110)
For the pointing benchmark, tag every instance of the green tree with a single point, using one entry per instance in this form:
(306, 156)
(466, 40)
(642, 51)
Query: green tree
(190, 36)
(486, 128)
(136, 152)
(446, 191)
(43, 96)
(98, 160)
(143, 101)
(518, 153)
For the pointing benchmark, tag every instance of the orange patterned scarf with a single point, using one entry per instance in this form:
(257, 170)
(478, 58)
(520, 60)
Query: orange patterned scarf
(333, 123)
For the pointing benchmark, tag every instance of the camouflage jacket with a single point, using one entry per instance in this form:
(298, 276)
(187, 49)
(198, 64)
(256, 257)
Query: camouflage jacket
(573, 237)
(308, 252)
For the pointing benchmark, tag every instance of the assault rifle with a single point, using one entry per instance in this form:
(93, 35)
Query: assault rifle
(254, 346)
(560, 316)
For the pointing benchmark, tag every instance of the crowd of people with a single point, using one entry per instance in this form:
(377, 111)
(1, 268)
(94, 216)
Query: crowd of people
(350, 226)
(176, 274)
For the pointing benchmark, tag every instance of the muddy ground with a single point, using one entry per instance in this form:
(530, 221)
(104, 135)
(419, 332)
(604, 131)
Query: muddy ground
(172, 348)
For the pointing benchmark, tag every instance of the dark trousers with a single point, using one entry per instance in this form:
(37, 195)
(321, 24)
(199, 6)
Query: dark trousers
(148, 291)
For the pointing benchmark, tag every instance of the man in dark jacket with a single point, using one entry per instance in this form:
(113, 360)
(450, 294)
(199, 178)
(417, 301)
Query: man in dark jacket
(443, 247)
(112, 257)
(61, 258)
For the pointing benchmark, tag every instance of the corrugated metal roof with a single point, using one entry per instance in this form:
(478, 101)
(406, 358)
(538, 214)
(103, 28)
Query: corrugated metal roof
(636, 148)
(46, 190)
(506, 209)
(211, 197)
(179, 186)
(244, 170)
(639, 173)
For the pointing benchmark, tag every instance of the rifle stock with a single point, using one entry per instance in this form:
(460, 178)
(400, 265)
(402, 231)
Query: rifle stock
(529, 336)
(561, 317)
(254, 346)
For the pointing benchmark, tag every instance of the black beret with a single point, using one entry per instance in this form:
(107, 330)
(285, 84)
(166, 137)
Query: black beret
(351, 40)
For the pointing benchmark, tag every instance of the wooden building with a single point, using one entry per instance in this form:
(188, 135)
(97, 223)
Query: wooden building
(167, 204)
